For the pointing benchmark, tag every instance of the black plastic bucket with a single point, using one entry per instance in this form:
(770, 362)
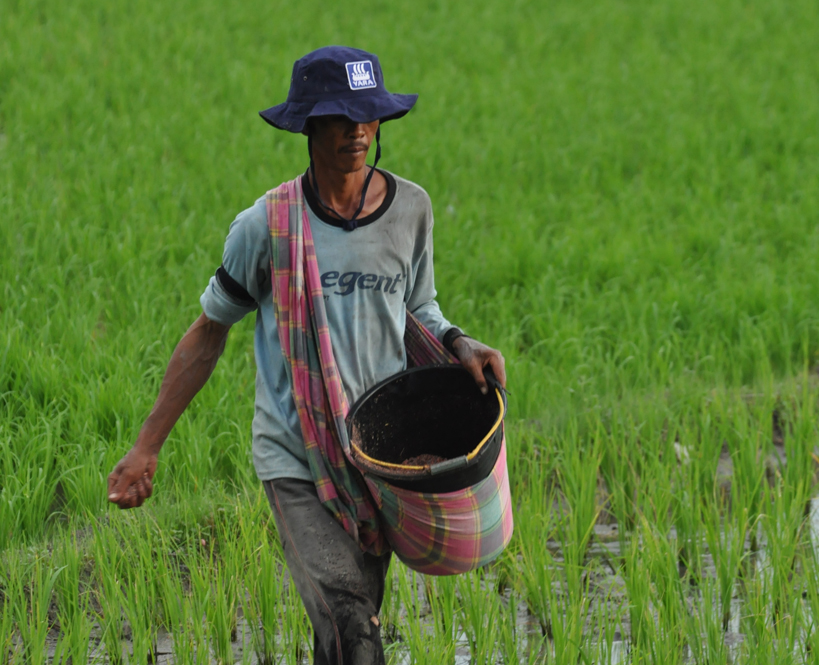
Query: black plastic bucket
(433, 410)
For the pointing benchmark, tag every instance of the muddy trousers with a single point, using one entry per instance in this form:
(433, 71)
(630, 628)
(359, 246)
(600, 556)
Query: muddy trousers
(341, 586)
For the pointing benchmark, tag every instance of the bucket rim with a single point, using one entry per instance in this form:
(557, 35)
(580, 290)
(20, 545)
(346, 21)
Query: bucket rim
(429, 468)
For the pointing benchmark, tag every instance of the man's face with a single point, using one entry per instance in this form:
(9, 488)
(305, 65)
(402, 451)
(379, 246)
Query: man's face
(340, 144)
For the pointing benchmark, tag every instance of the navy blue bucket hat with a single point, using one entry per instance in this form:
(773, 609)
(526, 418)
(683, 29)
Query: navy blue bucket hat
(337, 80)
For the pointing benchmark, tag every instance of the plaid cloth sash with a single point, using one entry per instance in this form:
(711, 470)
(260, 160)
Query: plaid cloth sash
(433, 533)
(317, 389)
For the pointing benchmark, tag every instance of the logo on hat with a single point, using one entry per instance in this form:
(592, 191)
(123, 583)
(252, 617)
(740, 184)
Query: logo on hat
(360, 75)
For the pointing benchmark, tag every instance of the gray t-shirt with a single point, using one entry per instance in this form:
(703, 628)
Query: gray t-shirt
(370, 277)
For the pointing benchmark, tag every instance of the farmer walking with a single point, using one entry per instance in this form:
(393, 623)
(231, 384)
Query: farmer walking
(337, 264)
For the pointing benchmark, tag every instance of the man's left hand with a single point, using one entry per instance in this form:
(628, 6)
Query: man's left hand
(474, 356)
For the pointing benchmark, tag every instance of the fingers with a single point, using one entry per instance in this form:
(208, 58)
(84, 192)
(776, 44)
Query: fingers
(143, 491)
(118, 483)
(113, 477)
(476, 362)
(474, 356)
(131, 498)
(149, 486)
(475, 366)
(129, 484)
(495, 361)
(135, 494)
(498, 366)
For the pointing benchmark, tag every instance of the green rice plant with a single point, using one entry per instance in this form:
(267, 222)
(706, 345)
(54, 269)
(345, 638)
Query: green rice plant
(790, 633)
(263, 580)
(170, 590)
(59, 656)
(12, 593)
(705, 626)
(33, 623)
(390, 610)
(137, 606)
(201, 599)
(264, 592)
(657, 601)
(569, 617)
(609, 617)
(421, 643)
(577, 474)
(248, 655)
(668, 596)
(562, 615)
(785, 530)
(480, 612)
(511, 645)
(148, 555)
(620, 476)
(535, 526)
(445, 605)
(643, 628)
(800, 437)
(73, 602)
(757, 622)
(749, 444)
(296, 633)
(111, 575)
(516, 645)
(190, 643)
(31, 475)
(539, 460)
(221, 611)
(726, 544)
(67, 586)
(651, 455)
(776, 631)
(143, 551)
(6, 632)
(687, 511)
(811, 611)
(76, 632)
(655, 497)
(704, 448)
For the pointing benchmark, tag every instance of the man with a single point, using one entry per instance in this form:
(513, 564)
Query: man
(372, 233)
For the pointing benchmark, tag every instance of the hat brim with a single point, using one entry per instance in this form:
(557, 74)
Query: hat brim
(292, 117)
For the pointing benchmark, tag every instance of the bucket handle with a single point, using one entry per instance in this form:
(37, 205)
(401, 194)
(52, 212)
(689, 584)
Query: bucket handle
(492, 380)
(449, 465)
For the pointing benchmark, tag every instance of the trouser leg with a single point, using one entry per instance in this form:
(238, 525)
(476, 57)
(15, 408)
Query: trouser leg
(342, 587)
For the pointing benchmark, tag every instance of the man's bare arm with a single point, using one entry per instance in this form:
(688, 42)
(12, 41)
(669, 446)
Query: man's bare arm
(189, 368)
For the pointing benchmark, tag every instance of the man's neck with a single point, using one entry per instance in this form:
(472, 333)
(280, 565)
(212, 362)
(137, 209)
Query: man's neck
(341, 191)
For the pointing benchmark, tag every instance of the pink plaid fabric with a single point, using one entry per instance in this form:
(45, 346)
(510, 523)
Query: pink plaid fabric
(452, 533)
(317, 388)
(438, 534)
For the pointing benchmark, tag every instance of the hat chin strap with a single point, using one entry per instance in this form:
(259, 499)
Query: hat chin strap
(352, 223)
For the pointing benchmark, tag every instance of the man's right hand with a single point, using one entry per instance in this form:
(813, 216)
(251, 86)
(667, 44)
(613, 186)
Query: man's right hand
(130, 483)
(191, 363)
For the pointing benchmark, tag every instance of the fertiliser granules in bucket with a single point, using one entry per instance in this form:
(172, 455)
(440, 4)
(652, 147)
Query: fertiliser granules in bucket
(432, 451)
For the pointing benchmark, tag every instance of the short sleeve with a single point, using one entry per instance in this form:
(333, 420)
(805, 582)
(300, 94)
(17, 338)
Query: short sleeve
(422, 301)
(243, 279)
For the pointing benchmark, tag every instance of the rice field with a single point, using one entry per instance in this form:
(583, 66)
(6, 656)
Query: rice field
(626, 198)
